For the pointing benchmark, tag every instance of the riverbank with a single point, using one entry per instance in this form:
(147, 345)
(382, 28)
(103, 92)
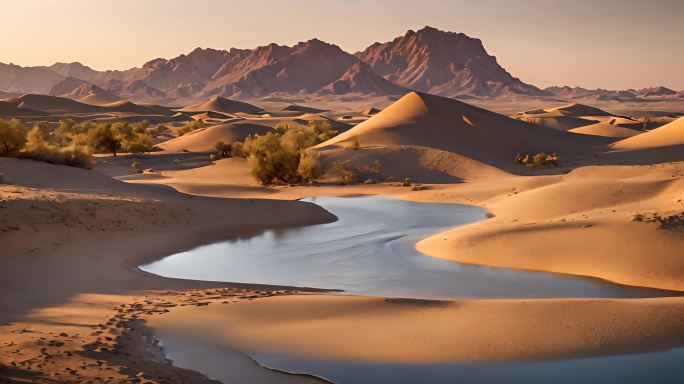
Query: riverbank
(72, 241)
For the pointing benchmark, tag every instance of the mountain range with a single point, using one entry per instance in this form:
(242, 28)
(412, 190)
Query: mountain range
(428, 60)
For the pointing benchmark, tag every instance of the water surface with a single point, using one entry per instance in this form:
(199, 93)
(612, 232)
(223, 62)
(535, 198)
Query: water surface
(370, 250)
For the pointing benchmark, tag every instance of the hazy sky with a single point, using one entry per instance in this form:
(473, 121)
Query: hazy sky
(599, 43)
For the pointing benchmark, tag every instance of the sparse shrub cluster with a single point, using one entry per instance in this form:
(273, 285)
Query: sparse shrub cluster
(284, 155)
(71, 143)
(342, 171)
(539, 160)
(189, 127)
(222, 151)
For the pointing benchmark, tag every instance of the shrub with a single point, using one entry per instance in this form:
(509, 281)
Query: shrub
(342, 171)
(12, 136)
(161, 129)
(309, 165)
(190, 126)
(72, 156)
(354, 143)
(538, 160)
(271, 160)
(281, 156)
(104, 138)
(222, 150)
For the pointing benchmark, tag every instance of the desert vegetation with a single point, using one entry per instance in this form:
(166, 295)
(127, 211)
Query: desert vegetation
(539, 160)
(342, 171)
(284, 155)
(71, 143)
(189, 127)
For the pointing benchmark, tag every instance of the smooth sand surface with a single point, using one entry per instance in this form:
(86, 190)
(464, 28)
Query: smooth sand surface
(606, 130)
(588, 222)
(415, 331)
(668, 135)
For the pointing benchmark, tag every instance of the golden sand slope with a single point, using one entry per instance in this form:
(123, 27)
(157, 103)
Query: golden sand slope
(670, 134)
(606, 130)
(222, 105)
(415, 331)
(588, 222)
(419, 119)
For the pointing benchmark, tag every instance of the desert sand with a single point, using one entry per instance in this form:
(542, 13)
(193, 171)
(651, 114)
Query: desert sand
(419, 331)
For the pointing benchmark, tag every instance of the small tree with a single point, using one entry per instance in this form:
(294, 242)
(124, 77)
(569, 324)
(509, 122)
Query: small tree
(12, 136)
(104, 138)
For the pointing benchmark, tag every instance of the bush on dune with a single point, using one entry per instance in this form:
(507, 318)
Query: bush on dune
(342, 171)
(538, 160)
(189, 127)
(283, 156)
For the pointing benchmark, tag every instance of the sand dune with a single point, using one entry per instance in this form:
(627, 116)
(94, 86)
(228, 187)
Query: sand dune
(53, 104)
(606, 130)
(576, 109)
(561, 123)
(370, 111)
(302, 108)
(431, 121)
(668, 135)
(99, 99)
(205, 139)
(10, 109)
(222, 105)
(545, 225)
(127, 106)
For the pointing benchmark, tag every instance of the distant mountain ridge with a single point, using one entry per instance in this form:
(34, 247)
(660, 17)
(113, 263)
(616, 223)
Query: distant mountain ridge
(428, 60)
(443, 63)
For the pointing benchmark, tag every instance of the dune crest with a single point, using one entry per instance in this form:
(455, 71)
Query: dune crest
(222, 105)
(668, 135)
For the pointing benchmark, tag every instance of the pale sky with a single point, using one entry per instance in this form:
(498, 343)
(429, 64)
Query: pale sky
(615, 44)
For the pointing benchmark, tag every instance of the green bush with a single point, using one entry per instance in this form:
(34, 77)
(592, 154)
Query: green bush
(282, 156)
(71, 143)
